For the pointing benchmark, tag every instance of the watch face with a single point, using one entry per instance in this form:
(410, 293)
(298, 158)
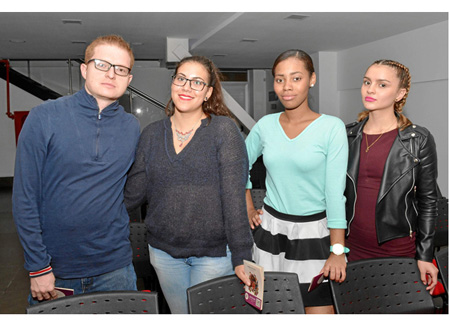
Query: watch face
(338, 249)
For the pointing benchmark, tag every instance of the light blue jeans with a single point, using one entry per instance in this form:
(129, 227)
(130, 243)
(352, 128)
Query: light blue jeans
(122, 279)
(176, 275)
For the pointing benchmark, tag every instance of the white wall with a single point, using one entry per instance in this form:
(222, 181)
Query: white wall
(20, 101)
(425, 52)
(258, 94)
(324, 96)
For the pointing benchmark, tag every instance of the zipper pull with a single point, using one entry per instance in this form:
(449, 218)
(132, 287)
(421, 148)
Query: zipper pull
(410, 234)
(99, 116)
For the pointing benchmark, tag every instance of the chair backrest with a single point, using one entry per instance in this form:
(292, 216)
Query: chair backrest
(382, 286)
(135, 215)
(118, 302)
(442, 263)
(258, 197)
(138, 239)
(441, 228)
(225, 295)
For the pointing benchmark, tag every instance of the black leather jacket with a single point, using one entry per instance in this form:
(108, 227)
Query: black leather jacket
(407, 200)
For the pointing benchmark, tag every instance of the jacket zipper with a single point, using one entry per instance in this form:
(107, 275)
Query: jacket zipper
(354, 204)
(406, 196)
(356, 197)
(99, 117)
(406, 209)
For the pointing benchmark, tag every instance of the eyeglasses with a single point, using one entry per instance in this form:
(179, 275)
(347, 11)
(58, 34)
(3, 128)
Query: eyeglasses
(195, 84)
(104, 66)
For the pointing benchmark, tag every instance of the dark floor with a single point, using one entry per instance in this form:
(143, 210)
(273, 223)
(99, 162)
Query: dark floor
(14, 283)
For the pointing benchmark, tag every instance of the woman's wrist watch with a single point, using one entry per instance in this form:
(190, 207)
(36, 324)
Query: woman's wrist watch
(338, 249)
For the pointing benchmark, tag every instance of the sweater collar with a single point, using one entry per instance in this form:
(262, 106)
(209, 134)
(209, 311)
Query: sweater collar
(88, 101)
(205, 122)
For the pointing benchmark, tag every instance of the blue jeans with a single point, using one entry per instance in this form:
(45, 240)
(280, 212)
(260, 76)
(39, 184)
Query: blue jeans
(176, 275)
(121, 279)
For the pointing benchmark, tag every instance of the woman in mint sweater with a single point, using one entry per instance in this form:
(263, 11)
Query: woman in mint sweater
(302, 224)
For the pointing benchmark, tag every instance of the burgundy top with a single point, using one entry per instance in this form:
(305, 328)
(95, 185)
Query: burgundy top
(362, 240)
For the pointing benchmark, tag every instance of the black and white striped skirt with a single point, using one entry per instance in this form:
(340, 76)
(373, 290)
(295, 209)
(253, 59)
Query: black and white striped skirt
(297, 244)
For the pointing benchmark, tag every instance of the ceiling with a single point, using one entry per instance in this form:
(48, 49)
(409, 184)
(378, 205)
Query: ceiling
(233, 40)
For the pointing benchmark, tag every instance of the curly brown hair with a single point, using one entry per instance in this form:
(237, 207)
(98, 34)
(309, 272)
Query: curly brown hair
(215, 104)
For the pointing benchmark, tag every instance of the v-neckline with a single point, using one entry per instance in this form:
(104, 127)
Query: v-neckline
(302, 132)
(170, 144)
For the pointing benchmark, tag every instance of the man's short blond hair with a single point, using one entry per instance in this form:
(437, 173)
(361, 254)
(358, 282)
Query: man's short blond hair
(114, 40)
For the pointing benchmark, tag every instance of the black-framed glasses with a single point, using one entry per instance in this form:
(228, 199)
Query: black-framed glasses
(104, 66)
(195, 84)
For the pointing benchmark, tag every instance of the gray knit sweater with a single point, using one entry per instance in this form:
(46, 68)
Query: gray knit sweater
(196, 198)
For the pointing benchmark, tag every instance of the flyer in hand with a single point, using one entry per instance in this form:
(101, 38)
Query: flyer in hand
(61, 292)
(315, 282)
(254, 292)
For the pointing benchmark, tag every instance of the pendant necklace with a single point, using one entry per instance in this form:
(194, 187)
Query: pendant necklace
(373, 143)
(182, 137)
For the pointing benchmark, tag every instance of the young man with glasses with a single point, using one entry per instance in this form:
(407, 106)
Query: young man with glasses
(72, 158)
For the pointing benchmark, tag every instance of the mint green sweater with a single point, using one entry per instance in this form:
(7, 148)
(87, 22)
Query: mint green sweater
(305, 175)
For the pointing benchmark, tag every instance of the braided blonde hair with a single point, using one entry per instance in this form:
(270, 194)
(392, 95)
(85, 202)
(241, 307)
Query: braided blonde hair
(405, 83)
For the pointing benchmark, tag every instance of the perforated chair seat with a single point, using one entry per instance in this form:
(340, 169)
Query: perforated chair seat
(382, 286)
(442, 263)
(225, 295)
(118, 302)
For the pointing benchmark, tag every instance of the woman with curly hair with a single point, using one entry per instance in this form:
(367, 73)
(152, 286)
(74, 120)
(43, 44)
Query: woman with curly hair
(192, 168)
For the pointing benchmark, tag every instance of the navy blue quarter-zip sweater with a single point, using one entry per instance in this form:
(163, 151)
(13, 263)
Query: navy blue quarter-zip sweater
(71, 166)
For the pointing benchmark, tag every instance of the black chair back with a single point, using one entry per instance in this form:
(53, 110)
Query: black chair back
(118, 302)
(135, 215)
(382, 286)
(225, 295)
(441, 228)
(141, 261)
(442, 263)
(258, 197)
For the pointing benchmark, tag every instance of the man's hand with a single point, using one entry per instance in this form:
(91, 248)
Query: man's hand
(43, 287)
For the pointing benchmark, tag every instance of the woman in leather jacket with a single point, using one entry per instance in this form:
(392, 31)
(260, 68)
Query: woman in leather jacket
(391, 176)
